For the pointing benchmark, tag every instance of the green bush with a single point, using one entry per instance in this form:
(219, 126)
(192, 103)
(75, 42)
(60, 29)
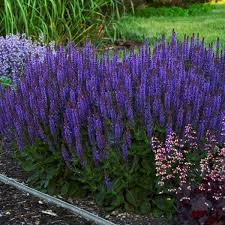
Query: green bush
(131, 186)
(175, 2)
(194, 10)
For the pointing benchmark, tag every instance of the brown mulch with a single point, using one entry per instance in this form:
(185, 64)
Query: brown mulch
(17, 207)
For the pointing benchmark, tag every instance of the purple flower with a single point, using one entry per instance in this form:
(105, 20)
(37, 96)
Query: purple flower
(128, 138)
(118, 132)
(169, 129)
(91, 131)
(179, 121)
(52, 127)
(100, 140)
(96, 155)
(79, 149)
(201, 130)
(124, 151)
(108, 183)
(66, 156)
(67, 134)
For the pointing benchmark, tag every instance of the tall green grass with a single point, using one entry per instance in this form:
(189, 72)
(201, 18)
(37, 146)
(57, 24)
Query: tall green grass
(59, 20)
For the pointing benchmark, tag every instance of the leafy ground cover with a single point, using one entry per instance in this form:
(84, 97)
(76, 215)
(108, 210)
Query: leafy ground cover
(210, 25)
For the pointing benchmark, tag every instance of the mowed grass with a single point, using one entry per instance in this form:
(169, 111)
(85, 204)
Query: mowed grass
(209, 26)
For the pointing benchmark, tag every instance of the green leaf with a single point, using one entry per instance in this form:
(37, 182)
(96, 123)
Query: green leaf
(140, 135)
(157, 213)
(33, 179)
(100, 196)
(131, 198)
(51, 172)
(148, 164)
(51, 188)
(118, 201)
(75, 189)
(5, 81)
(163, 203)
(65, 188)
(147, 183)
(29, 166)
(138, 149)
(145, 207)
(118, 184)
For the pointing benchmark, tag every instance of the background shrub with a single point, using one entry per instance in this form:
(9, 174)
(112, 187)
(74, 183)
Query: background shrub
(176, 2)
(193, 10)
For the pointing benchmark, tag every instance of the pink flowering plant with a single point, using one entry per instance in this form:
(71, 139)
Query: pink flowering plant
(194, 175)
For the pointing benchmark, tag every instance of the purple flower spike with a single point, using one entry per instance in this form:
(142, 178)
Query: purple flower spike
(108, 183)
(124, 151)
(66, 156)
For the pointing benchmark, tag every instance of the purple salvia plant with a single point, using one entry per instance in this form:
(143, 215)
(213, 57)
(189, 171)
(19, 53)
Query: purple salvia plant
(74, 97)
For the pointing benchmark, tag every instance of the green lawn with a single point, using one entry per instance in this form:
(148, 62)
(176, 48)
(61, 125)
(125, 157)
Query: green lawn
(209, 26)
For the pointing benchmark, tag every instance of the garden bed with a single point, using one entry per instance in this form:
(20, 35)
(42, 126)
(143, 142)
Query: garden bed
(21, 208)
(140, 133)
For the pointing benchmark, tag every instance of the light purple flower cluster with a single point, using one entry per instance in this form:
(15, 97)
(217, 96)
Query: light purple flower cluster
(74, 95)
(14, 52)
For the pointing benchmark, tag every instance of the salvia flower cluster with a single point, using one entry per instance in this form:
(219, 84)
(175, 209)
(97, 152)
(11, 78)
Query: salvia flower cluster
(77, 102)
(15, 51)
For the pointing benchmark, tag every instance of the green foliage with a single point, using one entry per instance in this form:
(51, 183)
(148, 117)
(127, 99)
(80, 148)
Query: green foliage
(133, 182)
(193, 10)
(48, 172)
(5, 81)
(176, 2)
(59, 20)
